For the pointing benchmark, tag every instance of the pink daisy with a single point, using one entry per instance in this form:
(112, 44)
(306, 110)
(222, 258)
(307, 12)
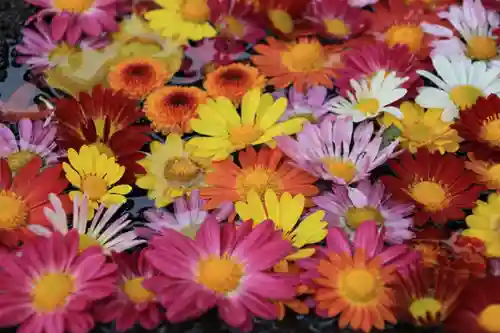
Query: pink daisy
(334, 150)
(131, 303)
(348, 207)
(311, 105)
(225, 266)
(49, 286)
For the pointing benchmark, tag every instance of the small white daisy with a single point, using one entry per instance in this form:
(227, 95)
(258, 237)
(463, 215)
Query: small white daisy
(370, 97)
(460, 83)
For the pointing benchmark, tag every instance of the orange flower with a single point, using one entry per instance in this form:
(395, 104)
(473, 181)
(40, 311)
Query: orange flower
(304, 291)
(488, 172)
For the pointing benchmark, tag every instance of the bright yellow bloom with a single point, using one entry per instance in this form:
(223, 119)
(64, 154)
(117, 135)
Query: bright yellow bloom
(421, 128)
(171, 171)
(285, 213)
(226, 131)
(484, 223)
(94, 174)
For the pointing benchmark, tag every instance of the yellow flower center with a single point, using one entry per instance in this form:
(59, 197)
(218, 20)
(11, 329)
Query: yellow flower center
(490, 131)
(61, 51)
(430, 194)
(87, 241)
(94, 187)
(304, 57)
(337, 27)
(244, 135)
(181, 169)
(100, 124)
(345, 170)
(234, 26)
(221, 275)
(368, 106)
(489, 318)
(190, 231)
(410, 35)
(419, 308)
(196, 10)
(136, 292)
(73, 6)
(281, 20)
(19, 159)
(482, 48)
(465, 96)
(359, 286)
(356, 216)
(51, 291)
(13, 212)
(103, 149)
(258, 180)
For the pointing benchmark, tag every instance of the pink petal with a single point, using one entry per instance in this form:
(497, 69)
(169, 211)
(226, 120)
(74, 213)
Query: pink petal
(338, 241)
(259, 306)
(266, 256)
(366, 238)
(209, 237)
(59, 25)
(232, 311)
(268, 286)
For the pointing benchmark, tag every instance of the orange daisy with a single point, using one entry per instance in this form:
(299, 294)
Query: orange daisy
(258, 171)
(171, 108)
(233, 81)
(487, 171)
(137, 77)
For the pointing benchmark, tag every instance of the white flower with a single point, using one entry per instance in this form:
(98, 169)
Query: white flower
(460, 84)
(371, 97)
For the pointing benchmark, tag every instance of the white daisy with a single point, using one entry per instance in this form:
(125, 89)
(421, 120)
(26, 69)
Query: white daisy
(370, 98)
(460, 83)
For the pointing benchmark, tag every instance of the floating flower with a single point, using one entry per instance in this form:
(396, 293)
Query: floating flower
(487, 171)
(257, 171)
(324, 150)
(348, 207)
(227, 131)
(105, 120)
(311, 104)
(460, 91)
(171, 108)
(232, 276)
(370, 97)
(171, 171)
(438, 185)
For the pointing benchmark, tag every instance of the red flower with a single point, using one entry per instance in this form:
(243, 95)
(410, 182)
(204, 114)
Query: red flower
(285, 16)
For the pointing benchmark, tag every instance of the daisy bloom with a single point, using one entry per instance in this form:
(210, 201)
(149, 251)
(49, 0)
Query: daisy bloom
(348, 207)
(487, 171)
(356, 278)
(182, 19)
(95, 175)
(131, 303)
(171, 171)
(459, 86)
(334, 150)
(104, 119)
(257, 171)
(438, 185)
(233, 81)
(49, 286)
(137, 77)
(310, 104)
(370, 97)
(171, 108)
(230, 275)
(226, 131)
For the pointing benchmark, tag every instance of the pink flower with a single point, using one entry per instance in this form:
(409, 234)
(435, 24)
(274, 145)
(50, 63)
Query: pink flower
(310, 105)
(362, 3)
(49, 287)
(225, 266)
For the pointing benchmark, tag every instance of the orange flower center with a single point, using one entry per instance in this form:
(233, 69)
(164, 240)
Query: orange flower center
(488, 318)
(87, 241)
(337, 28)
(181, 169)
(356, 216)
(359, 286)
(305, 56)
(281, 20)
(410, 35)
(259, 180)
(51, 291)
(94, 187)
(465, 96)
(14, 210)
(220, 274)
(482, 48)
(19, 159)
(196, 10)
(233, 27)
(422, 307)
(244, 135)
(368, 106)
(430, 194)
(345, 170)
(490, 131)
(73, 6)
(136, 292)
(429, 253)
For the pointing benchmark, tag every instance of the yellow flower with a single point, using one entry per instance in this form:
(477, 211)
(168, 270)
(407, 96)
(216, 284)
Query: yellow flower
(285, 213)
(228, 132)
(421, 128)
(484, 223)
(94, 174)
(172, 171)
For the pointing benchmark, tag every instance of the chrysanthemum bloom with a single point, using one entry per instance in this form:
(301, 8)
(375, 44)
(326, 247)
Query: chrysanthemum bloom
(182, 19)
(356, 279)
(24, 196)
(478, 309)
(130, 303)
(421, 128)
(348, 207)
(311, 104)
(487, 171)
(455, 92)
(49, 286)
(137, 77)
(227, 131)
(370, 97)
(105, 120)
(233, 81)
(171, 108)
(258, 171)
(284, 16)
(72, 19)
(171, 171)
(95, 175)
(230, 273)
(438, 185)
(331, 150)
(302, 63)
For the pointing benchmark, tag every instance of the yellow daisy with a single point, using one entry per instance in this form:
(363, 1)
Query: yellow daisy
(172, 171)
(226, 131)
(95, 174)
(285, 213)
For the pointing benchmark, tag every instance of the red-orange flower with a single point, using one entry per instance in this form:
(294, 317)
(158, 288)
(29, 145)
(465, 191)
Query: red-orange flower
(285, 16)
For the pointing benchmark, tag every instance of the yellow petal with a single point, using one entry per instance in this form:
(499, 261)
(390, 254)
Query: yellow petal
(288, 127)
(291, 209)
(273, 114)
(120, 189)
(208, 127)
(272, 206)
(174, 145)
(75, 161)
(477, 222)
(249, 106)
(113, 199)
(101, 165)
(115, 173)
(227, 110)
(301, 254)
(311, 230)
(256, 207)
(72, 176)
(266, 101)
(147, 182)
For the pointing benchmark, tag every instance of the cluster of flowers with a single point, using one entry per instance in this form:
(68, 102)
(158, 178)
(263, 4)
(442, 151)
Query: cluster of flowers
(335, 157)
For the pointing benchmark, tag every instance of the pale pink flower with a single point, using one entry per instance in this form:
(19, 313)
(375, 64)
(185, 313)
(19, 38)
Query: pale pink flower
(311, 105)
